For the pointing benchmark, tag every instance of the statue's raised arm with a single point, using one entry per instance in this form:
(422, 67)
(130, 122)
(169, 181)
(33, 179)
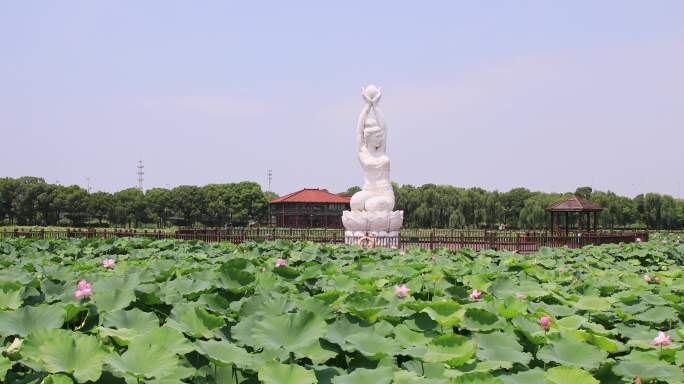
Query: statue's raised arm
(361, 125)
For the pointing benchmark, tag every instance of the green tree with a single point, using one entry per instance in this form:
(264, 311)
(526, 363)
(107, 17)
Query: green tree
(159, 203)
(100, 205)
(187, 201)
(129, 207)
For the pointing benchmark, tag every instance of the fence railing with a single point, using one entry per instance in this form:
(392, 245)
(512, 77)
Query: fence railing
(523, 242)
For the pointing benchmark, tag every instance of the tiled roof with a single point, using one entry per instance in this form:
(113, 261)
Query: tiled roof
(312, 195)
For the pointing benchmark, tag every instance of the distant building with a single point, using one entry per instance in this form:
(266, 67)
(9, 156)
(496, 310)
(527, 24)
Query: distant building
(308, 208)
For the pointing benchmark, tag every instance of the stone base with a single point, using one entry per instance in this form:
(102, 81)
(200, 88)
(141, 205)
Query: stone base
(378, 238)
(365, 221)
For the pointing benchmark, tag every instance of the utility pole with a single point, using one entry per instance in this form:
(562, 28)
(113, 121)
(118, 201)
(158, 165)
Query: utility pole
(141, 172)
(269, 174)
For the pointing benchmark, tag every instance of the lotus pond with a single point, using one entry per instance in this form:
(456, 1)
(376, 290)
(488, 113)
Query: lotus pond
(170, 311)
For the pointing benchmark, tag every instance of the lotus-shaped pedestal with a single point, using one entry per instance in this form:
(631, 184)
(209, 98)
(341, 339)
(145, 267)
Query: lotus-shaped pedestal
(376, 222)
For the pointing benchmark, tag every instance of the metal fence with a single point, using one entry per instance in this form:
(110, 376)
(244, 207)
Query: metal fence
(518, 241)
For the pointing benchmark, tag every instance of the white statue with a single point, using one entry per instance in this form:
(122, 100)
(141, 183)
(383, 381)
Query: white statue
(371, 208)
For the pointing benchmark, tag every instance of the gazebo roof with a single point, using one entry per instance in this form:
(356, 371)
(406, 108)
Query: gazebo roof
(574, 204)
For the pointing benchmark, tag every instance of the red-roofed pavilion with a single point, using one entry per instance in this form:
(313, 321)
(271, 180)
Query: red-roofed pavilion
(308, 208)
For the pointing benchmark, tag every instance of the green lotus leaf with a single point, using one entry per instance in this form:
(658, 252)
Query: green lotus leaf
(10, 299)
(114, 299)
(227, 353)
(290, 331)
(215, 302)
(647, 366)
(573, 353)
(534, 376)
(275, 373)
(194, 320)
(127, 282)
(365, 376)
(232, 278)
(427, 370)
(5, 365)
(189, 285)
(606, 344)
(452, 349)
(571, 322)
(511, 307)
(286, 272)
(167, 338)
(144, 361)
(658, 315)
(530, 329)
(476, 378)
(679, 357)
(242, 331)
(318, 352)
(63, 351)
(366, 305)
(502, 348)
(133, 319)
(27, 319)
(407, 377)
(480, 320)
(593, 303)
(407, 337)
(373, 346)
(503, 287)
(569, 375)
(340, 330)
(446, 313)
(120, 336)
(58, 378)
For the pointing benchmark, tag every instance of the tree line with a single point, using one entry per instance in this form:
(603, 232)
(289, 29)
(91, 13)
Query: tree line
(32, 201)
(445, 206)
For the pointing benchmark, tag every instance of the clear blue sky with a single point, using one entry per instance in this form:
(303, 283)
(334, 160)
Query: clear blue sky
(546, 95)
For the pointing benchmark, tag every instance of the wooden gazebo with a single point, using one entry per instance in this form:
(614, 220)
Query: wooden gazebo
(576, 205)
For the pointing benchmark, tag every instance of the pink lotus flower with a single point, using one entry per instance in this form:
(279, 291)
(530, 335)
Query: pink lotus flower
(108, 263)
(280, 262)
(561, 269)
(434, 258)
(83, 289)
(401, 290)
(475, 294)
(657, 280)
(661, 340)
(520, 296)
(647, 278)
(638, 239)
(545, 322)
(402, 252)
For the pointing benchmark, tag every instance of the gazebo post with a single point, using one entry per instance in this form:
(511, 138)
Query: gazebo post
(567, 232)
(595, 219)
(588, 221)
